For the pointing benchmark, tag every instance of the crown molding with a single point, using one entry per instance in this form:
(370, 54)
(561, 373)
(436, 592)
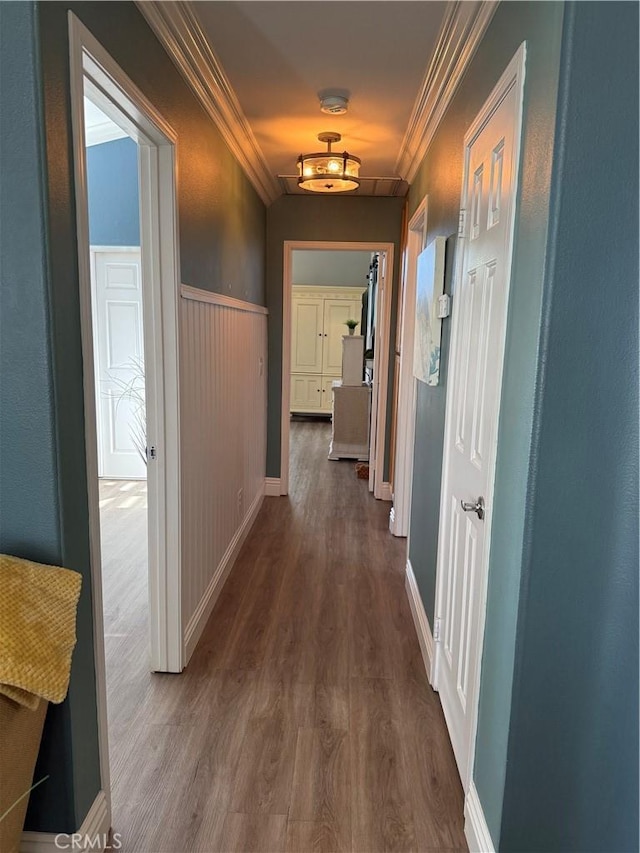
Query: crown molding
(180, 33)
(106, 131)
(464, 24)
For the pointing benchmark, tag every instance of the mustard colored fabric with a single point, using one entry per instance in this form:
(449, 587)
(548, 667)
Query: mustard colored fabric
(37, 630)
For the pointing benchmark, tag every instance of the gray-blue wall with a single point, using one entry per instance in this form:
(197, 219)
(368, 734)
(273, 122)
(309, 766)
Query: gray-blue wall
(112, 191)
(572, 770)
(440, 176)
(222, 248)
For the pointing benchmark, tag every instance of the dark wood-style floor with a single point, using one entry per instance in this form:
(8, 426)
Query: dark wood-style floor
(304, 721)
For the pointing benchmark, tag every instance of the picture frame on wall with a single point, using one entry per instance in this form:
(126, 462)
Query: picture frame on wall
(428, 326)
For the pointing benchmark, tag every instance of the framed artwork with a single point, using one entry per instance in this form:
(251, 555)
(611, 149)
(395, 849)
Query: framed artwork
(429, 287)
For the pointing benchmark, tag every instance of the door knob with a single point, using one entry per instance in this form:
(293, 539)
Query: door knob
(477, 507)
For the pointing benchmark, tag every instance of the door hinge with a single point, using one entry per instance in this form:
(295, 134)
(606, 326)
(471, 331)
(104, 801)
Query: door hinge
(151, 452)
(436, 629)
(461, 222)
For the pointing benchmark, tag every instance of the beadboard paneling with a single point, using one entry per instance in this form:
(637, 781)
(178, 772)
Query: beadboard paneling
(223, 428)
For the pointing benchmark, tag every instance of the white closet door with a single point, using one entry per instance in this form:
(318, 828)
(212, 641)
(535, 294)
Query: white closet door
(119, 362)
(306, 392)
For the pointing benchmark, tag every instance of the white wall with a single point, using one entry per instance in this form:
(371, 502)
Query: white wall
(337, 268)
(223, 431)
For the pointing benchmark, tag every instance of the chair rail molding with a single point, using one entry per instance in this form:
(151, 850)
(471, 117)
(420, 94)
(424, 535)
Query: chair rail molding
(464, 24)
(178, 29)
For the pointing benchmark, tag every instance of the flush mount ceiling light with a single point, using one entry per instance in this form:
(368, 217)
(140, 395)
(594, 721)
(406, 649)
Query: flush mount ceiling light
(326, 171)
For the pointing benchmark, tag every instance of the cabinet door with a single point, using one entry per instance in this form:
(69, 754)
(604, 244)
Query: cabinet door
(327, 393)
(306, 393)
(306, 335)
(336, 313)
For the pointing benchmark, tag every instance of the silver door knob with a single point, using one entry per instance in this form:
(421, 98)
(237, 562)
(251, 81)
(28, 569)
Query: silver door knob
(477, 507)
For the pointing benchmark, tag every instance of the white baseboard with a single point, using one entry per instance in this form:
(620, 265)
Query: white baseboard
(386, 492)
(199, 619)
(93, 834)
(476, 830)
(425, 637)
(272, 487)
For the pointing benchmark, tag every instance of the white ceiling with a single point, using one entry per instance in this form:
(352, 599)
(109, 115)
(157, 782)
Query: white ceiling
(278, 54)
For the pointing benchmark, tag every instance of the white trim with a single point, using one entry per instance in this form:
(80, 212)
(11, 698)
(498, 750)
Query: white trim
(98, 134)
(178, 29)
(421, 623)
(381, 360)
(203, 611)
(406, 410)
(272, 487)
(97, 248)
(464, 24)
(196, 294)
(96, 824)
(91, 67)
(385, 492)
(476, 830)
(513, 77)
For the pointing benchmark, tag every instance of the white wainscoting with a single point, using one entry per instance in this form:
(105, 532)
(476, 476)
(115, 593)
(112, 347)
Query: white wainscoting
(223, 434)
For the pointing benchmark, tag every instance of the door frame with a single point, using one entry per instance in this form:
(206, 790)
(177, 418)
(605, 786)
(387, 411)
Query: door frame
(120, 99)
(380, 362)
(407, 392)
(513, 77)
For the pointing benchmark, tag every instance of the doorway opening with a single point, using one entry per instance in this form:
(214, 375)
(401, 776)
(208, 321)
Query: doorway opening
(336, 310)
(128, 284)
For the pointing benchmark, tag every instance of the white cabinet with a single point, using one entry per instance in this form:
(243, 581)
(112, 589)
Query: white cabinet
(318, 317)
(306, 392)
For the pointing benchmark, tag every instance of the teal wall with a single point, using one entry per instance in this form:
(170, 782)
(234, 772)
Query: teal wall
(222, 226)
(30, 504)
(112, 193)
(440, 176)
(308, 217)
(572, 769)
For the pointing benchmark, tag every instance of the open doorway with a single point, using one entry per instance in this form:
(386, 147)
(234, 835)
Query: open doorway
(336, 310)
(128, 284)
(117, 315)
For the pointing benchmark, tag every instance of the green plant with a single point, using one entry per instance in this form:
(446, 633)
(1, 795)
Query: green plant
(351, 324)
(132, 390)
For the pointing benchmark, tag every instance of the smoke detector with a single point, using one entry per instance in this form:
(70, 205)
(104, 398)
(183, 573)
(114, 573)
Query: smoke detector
(334, 105)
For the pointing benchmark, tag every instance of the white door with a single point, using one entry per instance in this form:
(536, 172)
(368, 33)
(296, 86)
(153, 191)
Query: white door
(336, 314)
(119, 363)
(473, 402)
(306, 335)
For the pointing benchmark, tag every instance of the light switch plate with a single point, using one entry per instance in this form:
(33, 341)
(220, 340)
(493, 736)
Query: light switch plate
(444, 306)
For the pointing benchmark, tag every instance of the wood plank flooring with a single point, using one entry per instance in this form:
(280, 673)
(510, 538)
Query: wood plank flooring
(304, 721)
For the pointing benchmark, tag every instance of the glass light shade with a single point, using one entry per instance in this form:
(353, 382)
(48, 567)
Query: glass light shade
(328, 172)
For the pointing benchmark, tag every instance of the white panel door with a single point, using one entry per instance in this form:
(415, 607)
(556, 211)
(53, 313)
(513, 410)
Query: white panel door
(480, 314)
(119, 363)
(306, 393)
(327, 393)
(306, 338)
(336, 314)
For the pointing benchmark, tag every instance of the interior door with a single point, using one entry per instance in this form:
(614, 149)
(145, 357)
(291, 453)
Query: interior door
(306, 338)
(119, 363)
(306, 392)
(473, 400)
(336, 314)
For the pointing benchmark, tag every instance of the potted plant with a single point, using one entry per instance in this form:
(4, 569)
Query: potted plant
(351, 325)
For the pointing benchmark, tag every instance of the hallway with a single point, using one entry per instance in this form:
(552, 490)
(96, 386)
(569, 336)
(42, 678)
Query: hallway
(304, 720)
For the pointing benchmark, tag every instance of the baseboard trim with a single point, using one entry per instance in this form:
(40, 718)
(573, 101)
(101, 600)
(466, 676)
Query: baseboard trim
(272, 487)
(476, 830)
(423, 630)
(93, 834)
(386, 492)
(201, 615)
